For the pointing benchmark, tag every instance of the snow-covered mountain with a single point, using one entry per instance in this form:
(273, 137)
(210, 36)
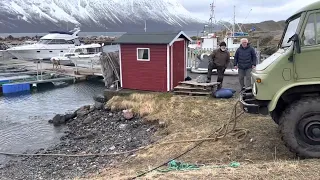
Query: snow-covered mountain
(95, 15)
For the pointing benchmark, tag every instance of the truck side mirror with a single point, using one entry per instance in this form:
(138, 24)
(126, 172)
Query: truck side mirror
(296, 42)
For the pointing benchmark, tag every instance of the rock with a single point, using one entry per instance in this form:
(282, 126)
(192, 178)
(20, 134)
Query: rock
(68, 117)
(127, 114)
(82, 111)
(98, 105)
(88, 120)
(112, 148)
(61, 119)
(100, 98)
(58, 120)
(123, 126)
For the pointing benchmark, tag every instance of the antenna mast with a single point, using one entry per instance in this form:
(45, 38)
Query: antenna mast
(234, 20)
(212, 16)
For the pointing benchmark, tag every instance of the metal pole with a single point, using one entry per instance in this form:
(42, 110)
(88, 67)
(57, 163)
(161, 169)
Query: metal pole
(37, 71)
(41, 68)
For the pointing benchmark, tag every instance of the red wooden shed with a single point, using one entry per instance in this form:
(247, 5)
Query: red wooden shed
(153, 61)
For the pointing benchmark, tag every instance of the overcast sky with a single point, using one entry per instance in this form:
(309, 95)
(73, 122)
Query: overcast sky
(261, 9)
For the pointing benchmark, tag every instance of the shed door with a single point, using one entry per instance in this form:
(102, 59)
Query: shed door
(178, 62)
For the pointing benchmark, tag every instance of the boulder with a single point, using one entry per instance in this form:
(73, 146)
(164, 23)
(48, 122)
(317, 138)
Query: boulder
(100, 98)
(84, 110)
(60, 119)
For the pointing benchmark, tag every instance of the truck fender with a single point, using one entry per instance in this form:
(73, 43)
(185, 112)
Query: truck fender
(273, 103)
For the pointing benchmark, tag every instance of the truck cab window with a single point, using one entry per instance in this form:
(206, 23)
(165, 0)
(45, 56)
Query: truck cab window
(309, 34)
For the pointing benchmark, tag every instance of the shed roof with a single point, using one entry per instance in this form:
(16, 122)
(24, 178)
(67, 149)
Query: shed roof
(151, 38)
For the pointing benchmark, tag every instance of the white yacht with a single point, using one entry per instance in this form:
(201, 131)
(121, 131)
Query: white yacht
(86, 55)
(50, 45)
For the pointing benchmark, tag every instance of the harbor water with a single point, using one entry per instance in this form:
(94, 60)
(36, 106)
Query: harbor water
(24, 117)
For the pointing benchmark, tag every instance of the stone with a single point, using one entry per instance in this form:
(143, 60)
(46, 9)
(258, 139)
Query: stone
(127, 114)
(88, 120)
(98, 105)
(58, 120)
(84, 110)
(100, 98)
(123, 126)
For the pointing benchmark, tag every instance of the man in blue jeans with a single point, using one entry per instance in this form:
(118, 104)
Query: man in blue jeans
(245, 60)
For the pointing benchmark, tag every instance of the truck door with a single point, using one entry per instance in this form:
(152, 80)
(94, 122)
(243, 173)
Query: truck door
(308, 61)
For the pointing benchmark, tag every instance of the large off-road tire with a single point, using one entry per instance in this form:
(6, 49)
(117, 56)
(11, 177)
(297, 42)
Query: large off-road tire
(300, 127)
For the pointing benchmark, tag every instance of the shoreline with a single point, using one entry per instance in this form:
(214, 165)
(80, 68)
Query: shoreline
(91, 129)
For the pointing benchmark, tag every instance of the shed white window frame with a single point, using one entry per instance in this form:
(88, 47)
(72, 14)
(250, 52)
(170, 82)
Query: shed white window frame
(148, 54)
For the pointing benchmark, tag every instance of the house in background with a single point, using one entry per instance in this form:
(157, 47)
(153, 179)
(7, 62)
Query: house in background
(153, 61)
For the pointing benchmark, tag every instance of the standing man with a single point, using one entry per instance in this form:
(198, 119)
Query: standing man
(219, 59)
(245, 60)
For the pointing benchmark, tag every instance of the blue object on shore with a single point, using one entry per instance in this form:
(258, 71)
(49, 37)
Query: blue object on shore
(224, 93)
(13, 88)
(232, 90)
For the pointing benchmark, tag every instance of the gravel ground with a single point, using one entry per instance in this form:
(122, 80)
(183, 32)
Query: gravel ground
(92, 131)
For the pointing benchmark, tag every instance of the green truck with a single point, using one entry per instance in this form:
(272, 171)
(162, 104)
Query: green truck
(287, 84)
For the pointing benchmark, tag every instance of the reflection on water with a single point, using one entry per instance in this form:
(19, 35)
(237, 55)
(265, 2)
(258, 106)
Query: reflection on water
(24, 117)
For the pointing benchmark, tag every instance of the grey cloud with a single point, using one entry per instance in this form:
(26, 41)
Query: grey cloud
(224, 9)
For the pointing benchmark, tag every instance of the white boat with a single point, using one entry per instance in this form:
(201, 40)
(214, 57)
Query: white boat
(4, 54)
(52, 44)
(86, 55)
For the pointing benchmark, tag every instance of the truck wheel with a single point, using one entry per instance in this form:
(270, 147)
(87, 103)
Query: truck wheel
(300, 127)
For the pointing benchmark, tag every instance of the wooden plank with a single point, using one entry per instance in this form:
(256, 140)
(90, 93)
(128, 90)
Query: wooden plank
(190, 88)
(194, 83)
(192, 93)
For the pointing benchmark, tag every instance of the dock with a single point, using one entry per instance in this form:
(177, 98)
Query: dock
(20, 75)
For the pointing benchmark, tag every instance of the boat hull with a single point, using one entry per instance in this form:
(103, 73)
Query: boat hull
(5, 55)
(33, 54)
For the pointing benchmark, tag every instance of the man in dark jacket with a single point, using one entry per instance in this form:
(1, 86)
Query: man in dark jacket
(245, 59)
(219, 59)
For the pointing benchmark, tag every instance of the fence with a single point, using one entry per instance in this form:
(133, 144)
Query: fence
(194, 56)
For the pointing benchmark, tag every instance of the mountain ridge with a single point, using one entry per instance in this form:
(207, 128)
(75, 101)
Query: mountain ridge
(95, 15)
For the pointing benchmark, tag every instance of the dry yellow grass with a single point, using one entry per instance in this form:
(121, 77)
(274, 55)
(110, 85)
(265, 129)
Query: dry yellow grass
(196, 117)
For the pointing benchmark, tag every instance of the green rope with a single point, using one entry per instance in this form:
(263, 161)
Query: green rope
(232, 164)
(180, 166)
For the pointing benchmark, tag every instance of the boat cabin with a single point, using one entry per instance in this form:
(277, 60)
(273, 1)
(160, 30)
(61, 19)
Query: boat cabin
(60, 37)
(87, 49)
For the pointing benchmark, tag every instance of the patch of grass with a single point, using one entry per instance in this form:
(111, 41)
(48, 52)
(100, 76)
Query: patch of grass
(190, 117)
